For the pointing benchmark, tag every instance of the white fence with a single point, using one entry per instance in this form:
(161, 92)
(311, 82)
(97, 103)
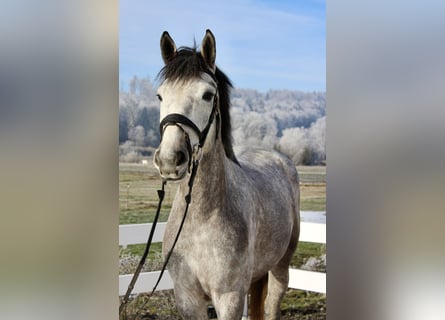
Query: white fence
(298, 279)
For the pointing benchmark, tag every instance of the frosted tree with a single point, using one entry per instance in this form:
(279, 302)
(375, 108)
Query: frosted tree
(137, 135)
(293, 143)
(254, 129)
(317, 139)
(293, 122)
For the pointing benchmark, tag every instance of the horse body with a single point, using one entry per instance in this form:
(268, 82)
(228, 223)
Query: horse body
(243, 225)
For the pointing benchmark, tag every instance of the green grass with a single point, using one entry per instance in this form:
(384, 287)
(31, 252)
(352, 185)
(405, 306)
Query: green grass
(312, 174)
(303, 305)
(314, 204)
(138, 197)
(138, 250)
(305, 250)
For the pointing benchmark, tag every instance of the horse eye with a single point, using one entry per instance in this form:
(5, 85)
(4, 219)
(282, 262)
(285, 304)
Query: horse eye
(207, 96)
(159, 97)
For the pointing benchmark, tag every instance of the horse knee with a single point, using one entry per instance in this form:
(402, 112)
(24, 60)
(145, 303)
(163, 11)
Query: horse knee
(190, 307)
(190, 312)
(229, 305)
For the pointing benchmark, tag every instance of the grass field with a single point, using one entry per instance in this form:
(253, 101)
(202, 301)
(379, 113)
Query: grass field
(138, 200)
(138, 184)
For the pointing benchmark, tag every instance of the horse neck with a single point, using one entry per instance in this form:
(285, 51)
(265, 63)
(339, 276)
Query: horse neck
(210, 182)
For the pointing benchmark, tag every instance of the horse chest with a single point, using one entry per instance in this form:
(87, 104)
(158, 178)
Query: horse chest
(210, 252)
(209, 240)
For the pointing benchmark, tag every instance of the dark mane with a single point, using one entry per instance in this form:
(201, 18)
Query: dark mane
(189, 64)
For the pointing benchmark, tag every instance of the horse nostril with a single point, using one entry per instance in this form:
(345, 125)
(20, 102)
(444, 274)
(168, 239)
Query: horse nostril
(181, 158)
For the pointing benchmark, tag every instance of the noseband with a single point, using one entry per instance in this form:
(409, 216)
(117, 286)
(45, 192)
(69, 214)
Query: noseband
(179, 119)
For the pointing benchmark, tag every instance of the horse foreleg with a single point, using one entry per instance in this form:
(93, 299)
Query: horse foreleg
(279, 280)
(277, 286)
(190, 306)
(229, 305)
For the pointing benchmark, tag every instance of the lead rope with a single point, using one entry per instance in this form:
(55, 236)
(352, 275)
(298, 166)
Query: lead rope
(188, 198)
(161, 193)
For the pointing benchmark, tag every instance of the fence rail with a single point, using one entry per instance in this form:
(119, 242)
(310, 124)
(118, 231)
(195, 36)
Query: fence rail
(298, 279)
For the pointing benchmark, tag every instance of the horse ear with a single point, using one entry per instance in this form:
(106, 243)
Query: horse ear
(208, 50)
(168, 47)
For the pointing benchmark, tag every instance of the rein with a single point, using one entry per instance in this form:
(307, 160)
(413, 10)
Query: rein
(161, 194)
(173, 119)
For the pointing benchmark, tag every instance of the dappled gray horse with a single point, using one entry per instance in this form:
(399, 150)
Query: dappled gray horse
(243, 224)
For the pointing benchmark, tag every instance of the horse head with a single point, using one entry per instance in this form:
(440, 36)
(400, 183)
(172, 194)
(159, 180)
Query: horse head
(188, 104)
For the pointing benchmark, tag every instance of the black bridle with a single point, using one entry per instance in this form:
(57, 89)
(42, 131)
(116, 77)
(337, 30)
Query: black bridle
(179, 119)
(175, 119)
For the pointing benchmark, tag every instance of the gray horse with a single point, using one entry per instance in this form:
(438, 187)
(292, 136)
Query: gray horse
(243, 224)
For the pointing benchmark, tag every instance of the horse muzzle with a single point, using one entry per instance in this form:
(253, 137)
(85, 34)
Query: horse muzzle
(172, 158)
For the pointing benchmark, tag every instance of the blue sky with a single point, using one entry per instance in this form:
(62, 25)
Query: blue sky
(260, 45)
